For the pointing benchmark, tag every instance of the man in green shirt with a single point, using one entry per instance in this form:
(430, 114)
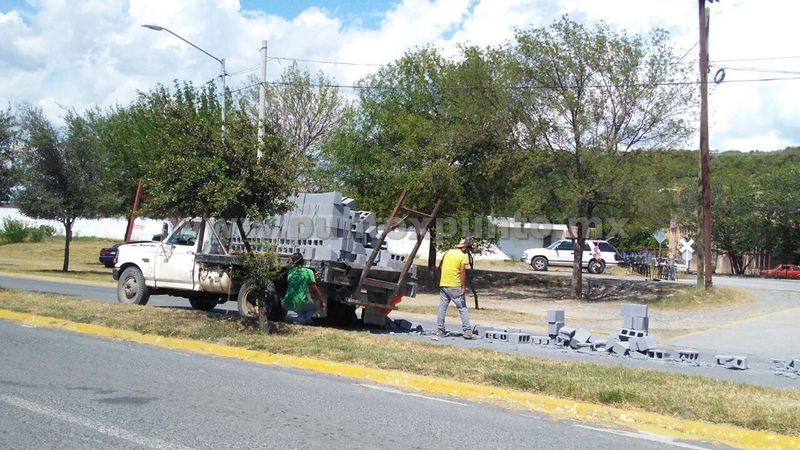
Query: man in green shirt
(302, 281)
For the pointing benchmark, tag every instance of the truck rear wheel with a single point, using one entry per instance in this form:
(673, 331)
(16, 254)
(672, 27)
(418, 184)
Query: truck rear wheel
(203, 304)
(247, 299)
(131, 288)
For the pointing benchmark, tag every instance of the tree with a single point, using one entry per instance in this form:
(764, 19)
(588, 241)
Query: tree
(59, 168)
(593, 100)
(175, 144)
(8, 176)
(435, 128)
(307, 111)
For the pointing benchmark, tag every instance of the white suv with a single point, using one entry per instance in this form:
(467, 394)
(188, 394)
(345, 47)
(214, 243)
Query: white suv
(597, 255)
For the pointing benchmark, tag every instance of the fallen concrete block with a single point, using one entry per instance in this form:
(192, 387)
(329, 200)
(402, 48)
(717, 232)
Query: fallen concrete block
(642, 343)
(688, 355)
(640, 323)
(627, 333)
(540, 340)
(658, 354)
(576, 344)
(795, 365)
(620, 348)
(780, 364)
(567, 331)
(598, 344)
(480, 330)
(518, 338)
(496, 335)
(582, 335)
(555, 315)
(562, 340)
(633, 310)
(553, 328)
(732, 362)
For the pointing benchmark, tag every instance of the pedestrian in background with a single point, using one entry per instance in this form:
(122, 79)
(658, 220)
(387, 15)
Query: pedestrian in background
(453, 287)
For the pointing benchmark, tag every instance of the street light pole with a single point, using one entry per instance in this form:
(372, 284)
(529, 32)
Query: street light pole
(221, 61)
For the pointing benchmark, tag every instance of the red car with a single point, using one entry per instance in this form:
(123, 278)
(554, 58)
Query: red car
(783, 271)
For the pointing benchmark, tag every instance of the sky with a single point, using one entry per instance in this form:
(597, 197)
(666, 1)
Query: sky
(59, 54)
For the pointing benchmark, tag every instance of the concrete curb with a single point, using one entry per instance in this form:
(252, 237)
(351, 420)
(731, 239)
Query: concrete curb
(558, 408)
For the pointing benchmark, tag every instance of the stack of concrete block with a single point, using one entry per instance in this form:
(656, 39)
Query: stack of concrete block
(732, 362)
(635, 322)
(565, 335)
(322, 227)
(555, 321)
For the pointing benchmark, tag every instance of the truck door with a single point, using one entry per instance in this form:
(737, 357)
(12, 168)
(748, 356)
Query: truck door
(175, 263)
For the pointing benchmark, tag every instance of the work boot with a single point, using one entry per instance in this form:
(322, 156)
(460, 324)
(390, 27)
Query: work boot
(440, 333)
(468, 333)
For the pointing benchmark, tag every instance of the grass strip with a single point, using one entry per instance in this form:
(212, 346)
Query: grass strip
(684, 396)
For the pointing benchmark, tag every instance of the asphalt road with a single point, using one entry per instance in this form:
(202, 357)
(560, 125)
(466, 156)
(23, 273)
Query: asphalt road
(66, 390)
(711, 343)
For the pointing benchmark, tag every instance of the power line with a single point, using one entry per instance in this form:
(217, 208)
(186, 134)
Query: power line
(341, 63)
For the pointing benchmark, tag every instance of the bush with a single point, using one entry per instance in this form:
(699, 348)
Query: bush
(260, 269)
(13, 231)
(47, 230)
(35, 234)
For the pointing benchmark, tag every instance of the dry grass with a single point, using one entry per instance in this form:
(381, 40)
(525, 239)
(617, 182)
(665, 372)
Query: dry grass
(47, 258)
(684, 396)
(692, 298)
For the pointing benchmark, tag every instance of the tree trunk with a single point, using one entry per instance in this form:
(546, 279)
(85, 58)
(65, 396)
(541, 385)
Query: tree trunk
(245, 239)
(67, 240)
(577, 271)
(432, 259)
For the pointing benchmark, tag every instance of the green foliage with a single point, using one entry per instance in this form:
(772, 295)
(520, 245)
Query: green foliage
(8, 172)
(13, 231)
(189, 167)
(260, 268)
(59, 171)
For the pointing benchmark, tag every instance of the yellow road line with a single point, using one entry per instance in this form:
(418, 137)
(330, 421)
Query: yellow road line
(556, 407)
(733, 323)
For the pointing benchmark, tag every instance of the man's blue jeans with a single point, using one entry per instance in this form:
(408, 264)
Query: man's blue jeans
(446, 295)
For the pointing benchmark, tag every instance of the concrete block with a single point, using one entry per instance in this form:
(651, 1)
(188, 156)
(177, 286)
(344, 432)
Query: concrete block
(582, 335)
(659, 354)
(598, 344)
(633, 310)
(567, 331)
(732, 362)
(540, 340)
(627, 333)
(688, 355)
(627, 321)
(555, 315)
(576, 344)
(553, 328)
(496, 335)
(562, 340)
(642, 344)
(620, 348)
(795, 365)
(480, 330)
(640, 323)
(780, 364)
(518, 338)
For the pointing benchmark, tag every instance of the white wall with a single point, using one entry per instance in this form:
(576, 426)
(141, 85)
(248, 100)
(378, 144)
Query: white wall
(143, 229)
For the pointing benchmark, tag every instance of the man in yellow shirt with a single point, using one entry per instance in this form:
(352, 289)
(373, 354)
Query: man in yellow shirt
(453, 287)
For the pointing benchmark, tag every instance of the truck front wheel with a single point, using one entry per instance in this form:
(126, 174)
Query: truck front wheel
(248, 299)
(131, 288)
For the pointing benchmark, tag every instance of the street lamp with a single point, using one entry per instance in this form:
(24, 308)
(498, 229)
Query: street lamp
(221, 61)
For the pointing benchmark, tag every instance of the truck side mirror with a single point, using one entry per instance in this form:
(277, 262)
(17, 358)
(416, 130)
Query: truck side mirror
(164, 231)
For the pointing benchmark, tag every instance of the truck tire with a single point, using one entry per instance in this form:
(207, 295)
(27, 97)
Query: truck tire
(248, 298)
(203, 304)
(596, 266)
(539, 263)
(341, 314)
(131, 288)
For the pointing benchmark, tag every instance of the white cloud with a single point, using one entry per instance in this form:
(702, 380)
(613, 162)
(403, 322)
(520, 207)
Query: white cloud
(79, 54)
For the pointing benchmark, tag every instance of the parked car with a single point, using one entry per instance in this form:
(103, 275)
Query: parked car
(108, 255)
(597, 255)
(782, 271)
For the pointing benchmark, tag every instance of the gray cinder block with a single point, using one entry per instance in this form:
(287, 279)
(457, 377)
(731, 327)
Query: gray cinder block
(627, 333)
(518, 338)
(555, 315)
(562, 340)
(598, 344)
(642, 344)
(640, 323)
(480, 330)
(576, 344)
(567, 331)
(582, 335)
(688, 355)
(658, 354)
(627, 321)
(780, 364)
(620, 348)
(553, 328)
(633, 310)
(732, 362)
(497, 335)
(540, 340)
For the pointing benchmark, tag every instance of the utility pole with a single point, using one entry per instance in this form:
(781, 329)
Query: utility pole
(704, 275)
(262, 98)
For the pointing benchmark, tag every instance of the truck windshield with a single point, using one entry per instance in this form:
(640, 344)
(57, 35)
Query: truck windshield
(186, 234)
